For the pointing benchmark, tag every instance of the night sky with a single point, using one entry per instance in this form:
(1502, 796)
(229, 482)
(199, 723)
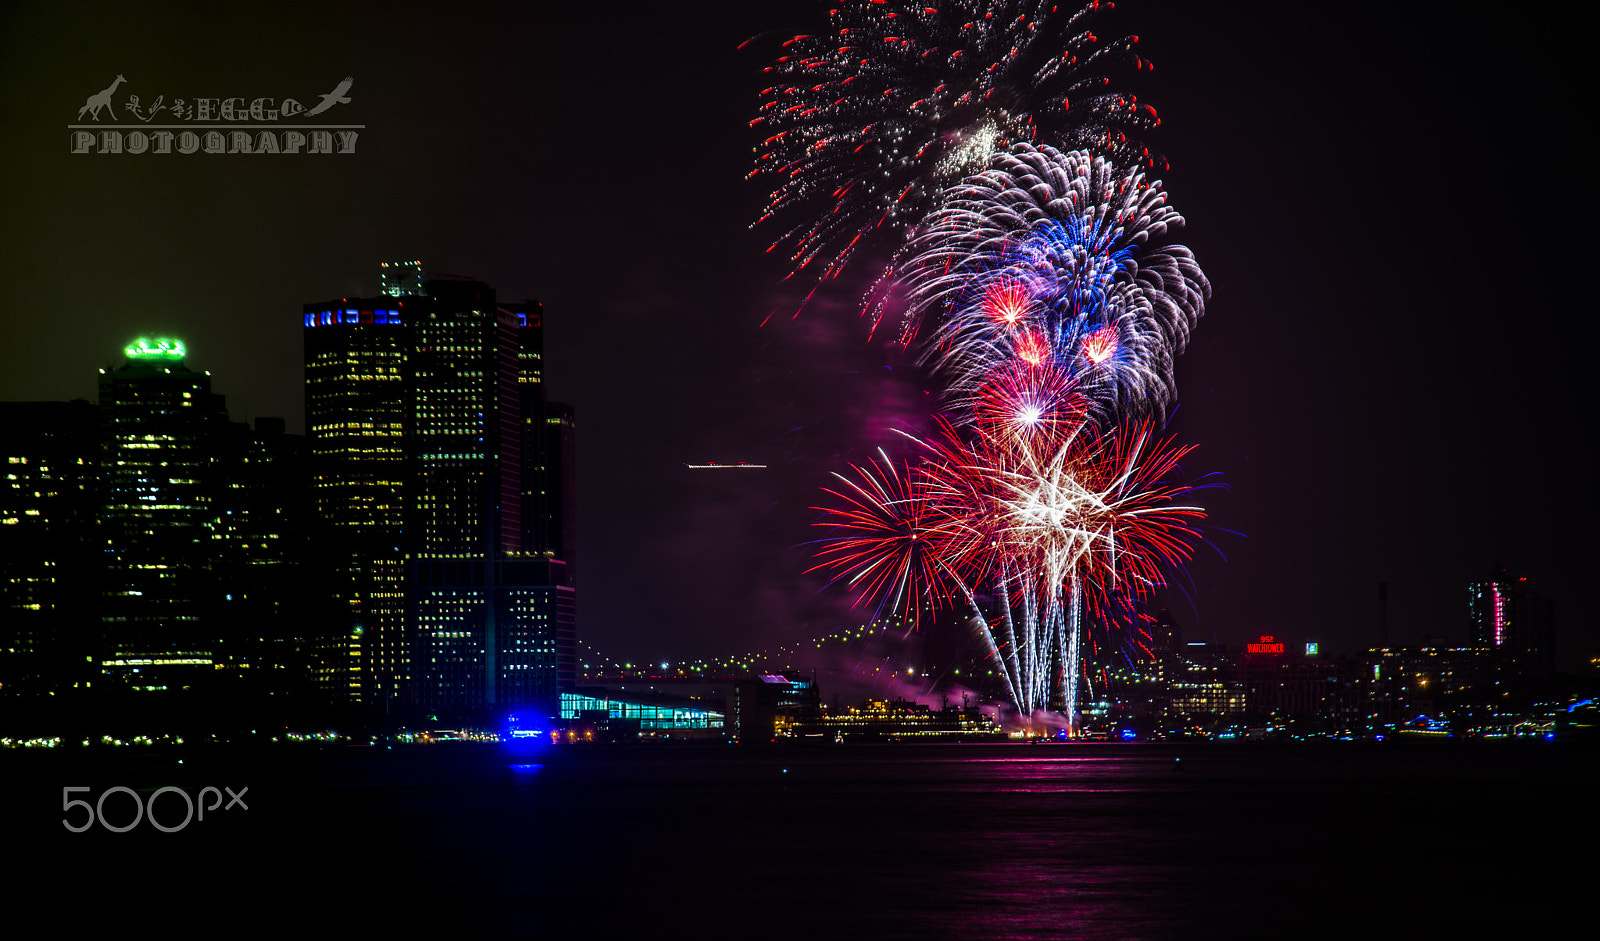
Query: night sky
(1385, 377)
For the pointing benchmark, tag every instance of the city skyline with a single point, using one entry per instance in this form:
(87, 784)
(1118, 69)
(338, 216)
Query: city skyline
(853, 468)
(1400, 444)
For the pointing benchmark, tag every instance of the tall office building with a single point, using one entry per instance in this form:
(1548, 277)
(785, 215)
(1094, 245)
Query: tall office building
(429, 434)
(358, 412)
(1517, 626)
(160, 427)
(147, 540)
(49, 547)
(492, 607)
(549, 486)
(557, 517)
(260, 542)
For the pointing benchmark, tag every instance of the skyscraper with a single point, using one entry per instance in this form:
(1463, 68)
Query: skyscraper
(358, 412)
(429, 436)
(1517, 626)
(159, 433)
(550, 490)
(259, 546)
(558, 517)
(490, 604)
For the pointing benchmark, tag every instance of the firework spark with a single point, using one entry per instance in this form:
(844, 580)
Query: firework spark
(1060, 242)
(1023, 527)
(863, 125)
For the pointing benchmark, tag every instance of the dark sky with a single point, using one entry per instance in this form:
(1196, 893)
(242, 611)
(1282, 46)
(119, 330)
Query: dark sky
(1385, 377)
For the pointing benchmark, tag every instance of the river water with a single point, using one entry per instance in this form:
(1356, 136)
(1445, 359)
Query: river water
(856, 841)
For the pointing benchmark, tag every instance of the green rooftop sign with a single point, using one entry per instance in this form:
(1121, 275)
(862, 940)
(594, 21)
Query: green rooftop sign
(155, 349)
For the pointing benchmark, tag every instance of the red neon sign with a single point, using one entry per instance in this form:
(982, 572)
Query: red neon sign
(1266, 644)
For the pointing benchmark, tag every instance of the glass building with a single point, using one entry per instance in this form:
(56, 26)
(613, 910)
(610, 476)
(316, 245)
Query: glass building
(358, 412)
(430, 442)
(494, 601)
(656, 715)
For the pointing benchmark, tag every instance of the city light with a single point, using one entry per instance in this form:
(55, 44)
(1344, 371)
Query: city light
(155, 349)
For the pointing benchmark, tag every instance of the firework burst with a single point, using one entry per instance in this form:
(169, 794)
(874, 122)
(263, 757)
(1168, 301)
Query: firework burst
(1035, 282)
(1021, 526)
(863, 125)
(1059, 242)
(883, 542)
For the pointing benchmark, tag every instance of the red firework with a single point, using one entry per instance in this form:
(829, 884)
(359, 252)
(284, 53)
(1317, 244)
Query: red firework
(1100, 345)
(1021, 397)
(1005, 300)
(884, 541)
(1052, 503)
(1032, 348)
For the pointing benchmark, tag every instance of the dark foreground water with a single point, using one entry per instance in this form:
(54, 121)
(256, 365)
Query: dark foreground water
(891, 841)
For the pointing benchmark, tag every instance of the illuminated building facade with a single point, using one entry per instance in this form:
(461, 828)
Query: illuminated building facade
(358, 412)
(492, 593)
(1514, 623)
(429, 443)
(1281, 684)
(757, 704)
(653, 713)
(160, 432)
(888, 720)
(1398, 683)
(49, 552)
(1205, 683)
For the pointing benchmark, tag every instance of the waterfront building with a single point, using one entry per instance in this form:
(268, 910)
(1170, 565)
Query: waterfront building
(1507, 618)
(1397, 684)
(758, 703)
(652, 715)
(260, 544)
(493, 603)
(49, 552)
(358, 412)
(892, 720)
(1205, 685)
(161, 430)
(448, 481)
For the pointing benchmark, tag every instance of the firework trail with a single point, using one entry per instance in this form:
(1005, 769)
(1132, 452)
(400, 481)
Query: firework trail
(863, 125)
(1047, 256)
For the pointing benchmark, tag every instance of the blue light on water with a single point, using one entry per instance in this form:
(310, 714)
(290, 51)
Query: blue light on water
(526, 769)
